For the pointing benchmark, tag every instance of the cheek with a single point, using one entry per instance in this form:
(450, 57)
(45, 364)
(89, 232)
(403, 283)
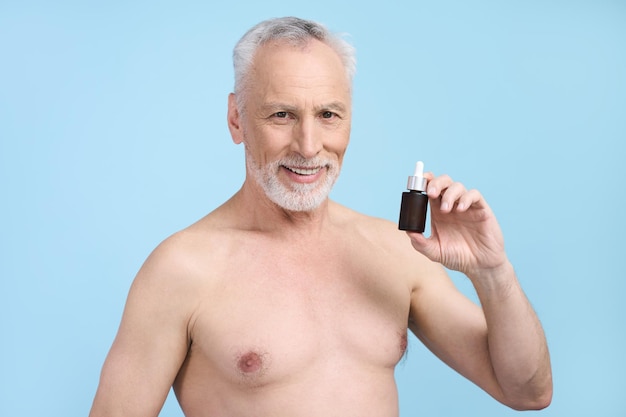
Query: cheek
(339, 144)
(266, 144)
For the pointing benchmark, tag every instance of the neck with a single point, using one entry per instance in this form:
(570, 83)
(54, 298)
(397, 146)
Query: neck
(256, 211)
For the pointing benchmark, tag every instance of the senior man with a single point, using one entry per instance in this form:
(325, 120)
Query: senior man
(281, 302)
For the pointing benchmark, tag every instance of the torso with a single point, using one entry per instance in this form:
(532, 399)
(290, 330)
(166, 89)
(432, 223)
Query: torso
(282, 327)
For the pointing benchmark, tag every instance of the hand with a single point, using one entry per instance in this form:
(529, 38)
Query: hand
(465, 235)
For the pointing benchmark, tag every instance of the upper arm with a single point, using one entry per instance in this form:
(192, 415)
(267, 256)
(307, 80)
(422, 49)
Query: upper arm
(152, 340)
(453, 328)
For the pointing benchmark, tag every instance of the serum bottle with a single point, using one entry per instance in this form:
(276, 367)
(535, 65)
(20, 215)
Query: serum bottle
(414, 202)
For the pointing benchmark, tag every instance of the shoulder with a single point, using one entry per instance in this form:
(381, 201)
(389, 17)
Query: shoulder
(383, 232)
(385, 243)
(181, 262)
(385, 237)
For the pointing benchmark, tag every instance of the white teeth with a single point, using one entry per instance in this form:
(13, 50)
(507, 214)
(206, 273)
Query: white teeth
(304, 171)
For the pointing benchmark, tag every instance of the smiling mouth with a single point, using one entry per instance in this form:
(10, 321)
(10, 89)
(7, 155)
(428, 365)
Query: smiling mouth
(303, 171)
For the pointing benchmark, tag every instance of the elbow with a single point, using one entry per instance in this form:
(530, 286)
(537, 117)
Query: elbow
(537, 403)
(537, 400)
(545, 399)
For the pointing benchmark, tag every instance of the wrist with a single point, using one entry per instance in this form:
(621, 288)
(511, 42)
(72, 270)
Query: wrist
(496, 277)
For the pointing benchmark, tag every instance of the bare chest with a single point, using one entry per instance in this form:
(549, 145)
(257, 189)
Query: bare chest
(276, 317)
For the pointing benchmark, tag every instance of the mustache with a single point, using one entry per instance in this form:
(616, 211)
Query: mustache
(302, 162)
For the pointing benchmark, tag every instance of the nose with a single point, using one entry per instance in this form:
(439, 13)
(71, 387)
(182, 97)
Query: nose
(307, 138)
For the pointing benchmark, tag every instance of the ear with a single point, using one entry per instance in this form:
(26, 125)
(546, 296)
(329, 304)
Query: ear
(234, 121)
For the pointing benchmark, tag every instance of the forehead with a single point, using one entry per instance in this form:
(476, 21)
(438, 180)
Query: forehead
(280, 68)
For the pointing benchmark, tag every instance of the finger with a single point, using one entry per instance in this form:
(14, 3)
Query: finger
(468, 199)
(452, 196)
(437, 185)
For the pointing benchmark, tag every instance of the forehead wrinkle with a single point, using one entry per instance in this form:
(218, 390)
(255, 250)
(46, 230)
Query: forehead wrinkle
(277, 85)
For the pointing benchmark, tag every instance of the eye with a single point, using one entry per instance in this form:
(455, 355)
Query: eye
(281, 114)
(328, 115)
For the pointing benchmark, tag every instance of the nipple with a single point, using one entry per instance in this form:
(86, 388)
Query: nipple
(404, 343)
(250, 362)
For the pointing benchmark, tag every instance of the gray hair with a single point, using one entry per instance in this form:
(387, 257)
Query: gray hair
(293, 30)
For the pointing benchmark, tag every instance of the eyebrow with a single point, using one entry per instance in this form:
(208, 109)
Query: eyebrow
(273, 106)
(334, 106)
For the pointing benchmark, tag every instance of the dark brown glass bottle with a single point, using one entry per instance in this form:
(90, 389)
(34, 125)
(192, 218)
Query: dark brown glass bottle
(414, 205)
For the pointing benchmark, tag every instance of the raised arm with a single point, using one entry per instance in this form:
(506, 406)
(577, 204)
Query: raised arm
(501, 347)
(152, 340)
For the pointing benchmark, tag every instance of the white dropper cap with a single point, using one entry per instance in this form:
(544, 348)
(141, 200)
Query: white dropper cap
(417, 182)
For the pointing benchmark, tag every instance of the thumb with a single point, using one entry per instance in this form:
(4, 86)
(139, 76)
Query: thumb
(426, 246)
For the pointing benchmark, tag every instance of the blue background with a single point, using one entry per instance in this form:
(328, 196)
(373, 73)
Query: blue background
(113, 136)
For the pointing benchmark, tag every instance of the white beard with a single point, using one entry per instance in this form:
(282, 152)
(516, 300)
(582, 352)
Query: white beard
(294, 196)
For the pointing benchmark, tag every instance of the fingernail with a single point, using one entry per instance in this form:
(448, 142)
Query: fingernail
(444, 206)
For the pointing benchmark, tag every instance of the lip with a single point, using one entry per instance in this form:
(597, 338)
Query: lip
(304, 175)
